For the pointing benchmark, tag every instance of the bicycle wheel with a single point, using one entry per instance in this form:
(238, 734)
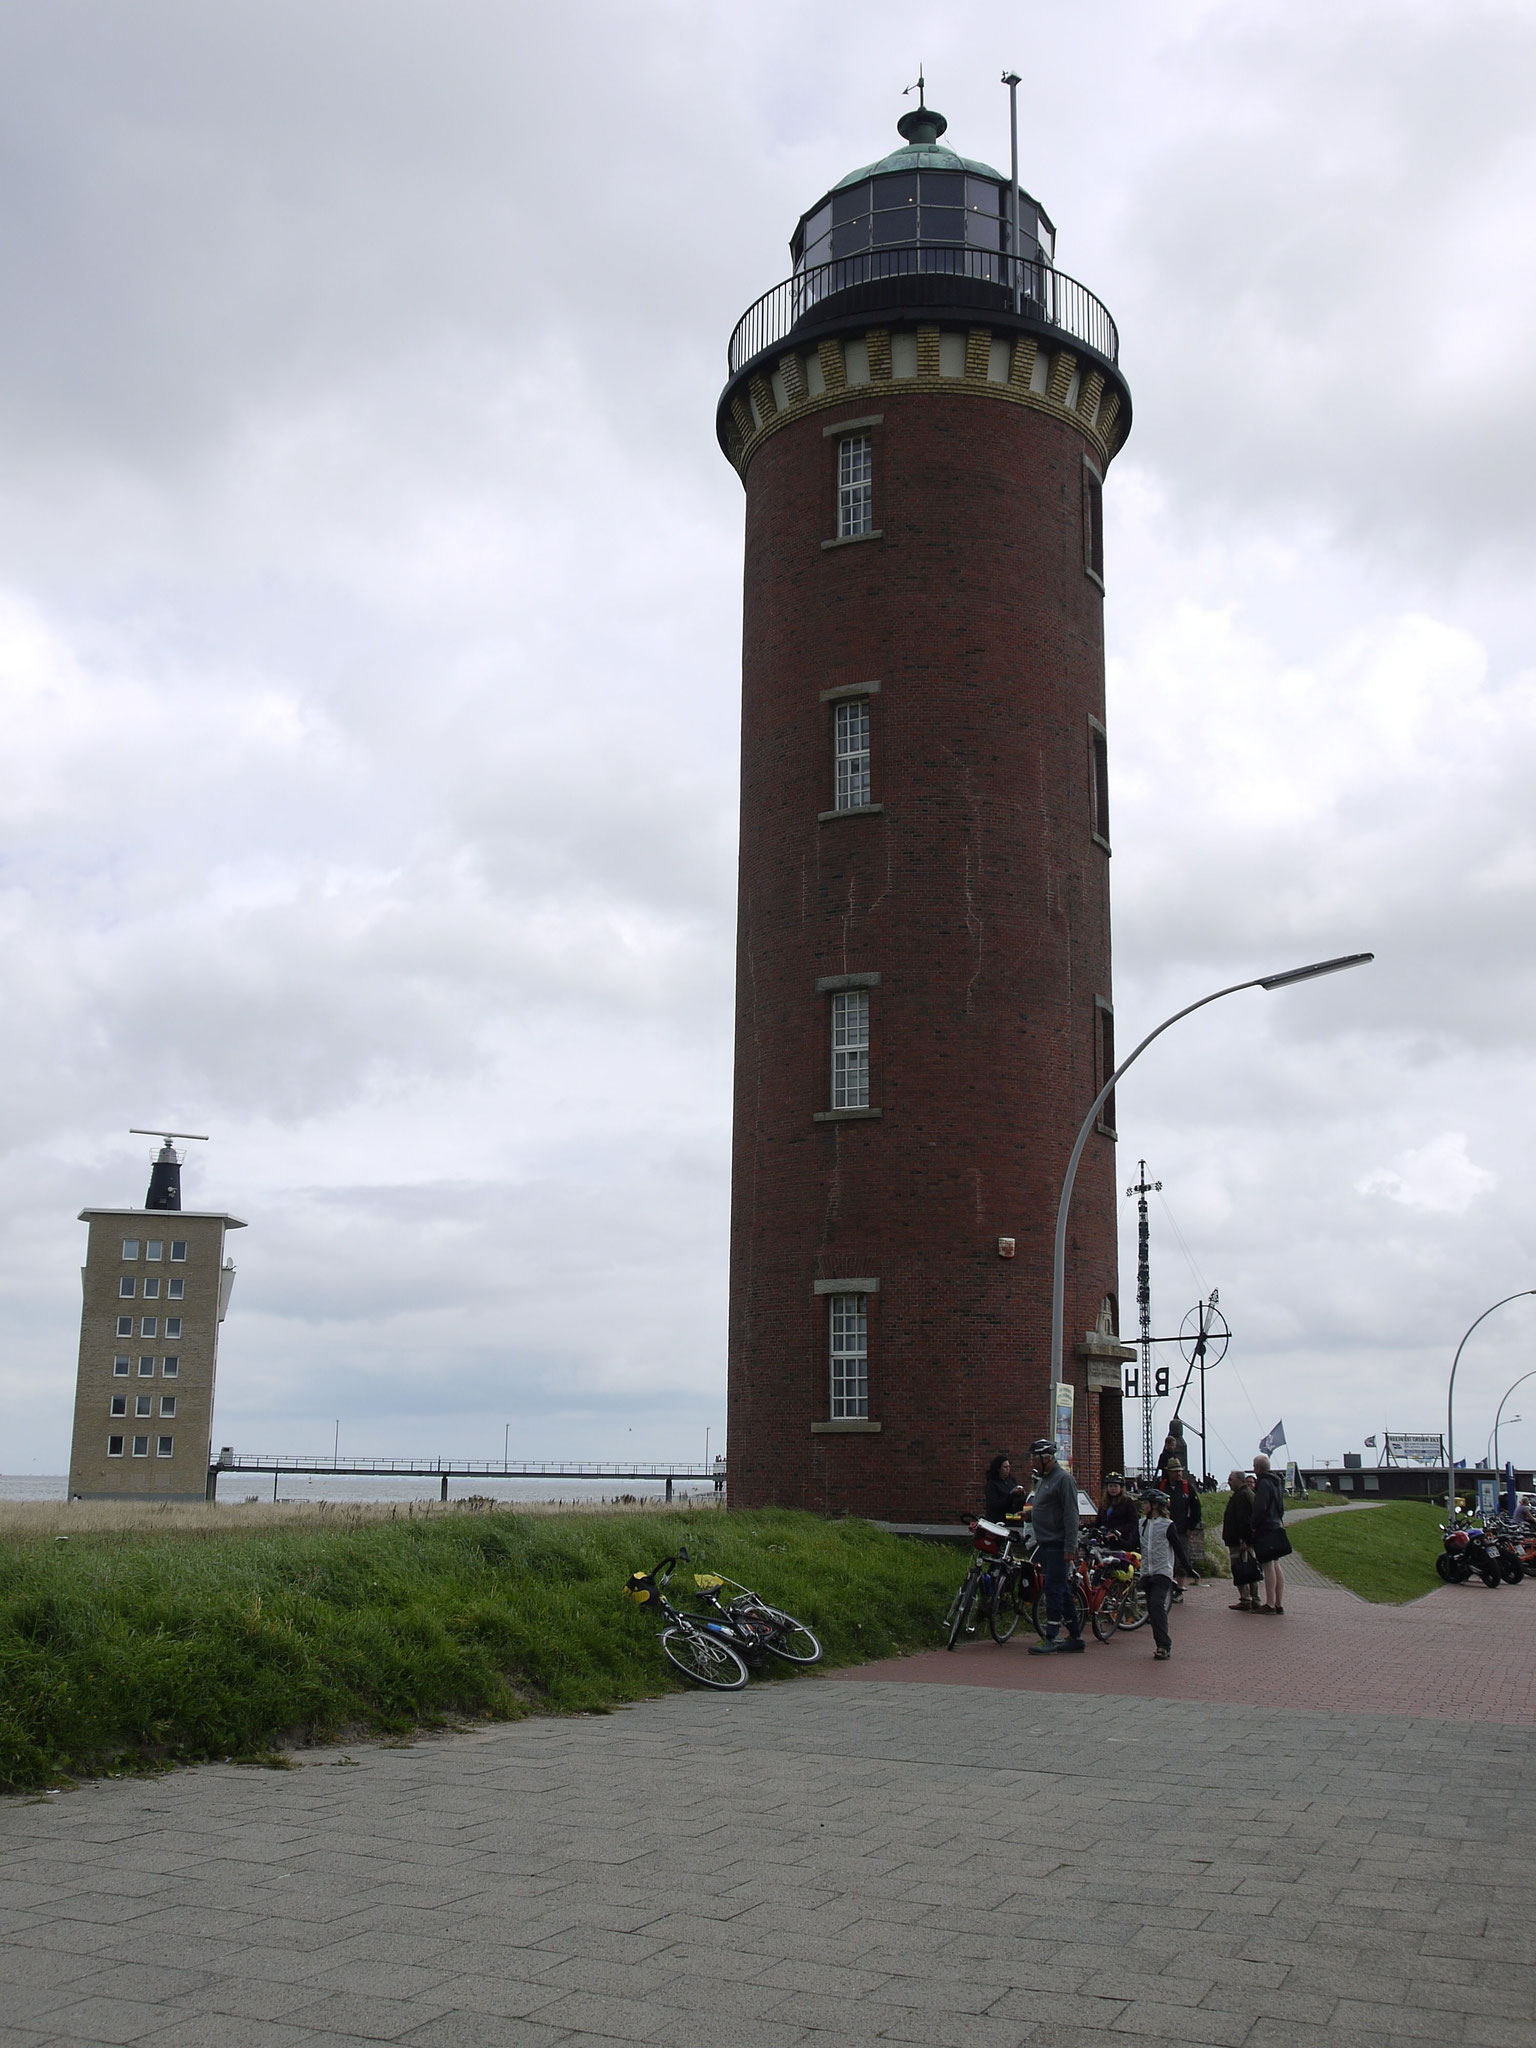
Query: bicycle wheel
(792, 1640)
(1134, 1612)
(1008, 1606)
(1079, 1612)
(703, 1658)
(1106, 1616)
(959, 1616)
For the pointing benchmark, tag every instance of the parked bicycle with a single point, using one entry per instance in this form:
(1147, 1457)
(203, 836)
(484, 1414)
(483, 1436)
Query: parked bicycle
(754, 1626)
(700, 1647)
(1106, 1582)
(990, 1589)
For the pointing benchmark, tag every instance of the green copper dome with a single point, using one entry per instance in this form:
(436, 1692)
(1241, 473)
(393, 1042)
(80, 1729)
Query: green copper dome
(921, 152)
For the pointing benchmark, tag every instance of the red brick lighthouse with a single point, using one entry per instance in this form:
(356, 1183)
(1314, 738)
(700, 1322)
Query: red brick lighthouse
(922, 416)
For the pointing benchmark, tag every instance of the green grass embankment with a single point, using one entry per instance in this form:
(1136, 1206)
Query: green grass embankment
(124, 1649)
(1386, 1554)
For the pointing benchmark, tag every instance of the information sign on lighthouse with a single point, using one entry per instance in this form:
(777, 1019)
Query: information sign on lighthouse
(922, 416)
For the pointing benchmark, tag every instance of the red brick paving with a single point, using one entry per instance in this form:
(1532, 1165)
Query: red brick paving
(1463, 1653)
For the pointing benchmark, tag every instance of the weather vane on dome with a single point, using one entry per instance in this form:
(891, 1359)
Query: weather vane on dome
(918, 88)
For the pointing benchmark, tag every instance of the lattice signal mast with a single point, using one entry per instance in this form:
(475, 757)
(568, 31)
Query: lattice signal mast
(1141, 1190)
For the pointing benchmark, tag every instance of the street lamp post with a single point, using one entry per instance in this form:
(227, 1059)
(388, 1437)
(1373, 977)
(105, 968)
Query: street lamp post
(1450, 1396)
(1064, 1206)
(1498, 1417)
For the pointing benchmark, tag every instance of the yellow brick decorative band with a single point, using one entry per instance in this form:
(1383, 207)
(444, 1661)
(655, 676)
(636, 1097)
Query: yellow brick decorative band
(1012, 371)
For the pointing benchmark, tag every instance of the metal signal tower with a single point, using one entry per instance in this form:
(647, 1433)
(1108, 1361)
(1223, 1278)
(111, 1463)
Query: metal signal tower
(1141, 1190)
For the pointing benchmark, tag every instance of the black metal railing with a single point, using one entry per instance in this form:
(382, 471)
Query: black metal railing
(918, 275)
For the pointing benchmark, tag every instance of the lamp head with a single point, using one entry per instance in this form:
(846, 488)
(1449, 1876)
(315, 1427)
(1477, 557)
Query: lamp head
(1318, 967)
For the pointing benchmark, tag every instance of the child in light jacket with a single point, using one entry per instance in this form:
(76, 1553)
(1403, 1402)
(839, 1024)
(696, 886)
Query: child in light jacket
(1157, 1565)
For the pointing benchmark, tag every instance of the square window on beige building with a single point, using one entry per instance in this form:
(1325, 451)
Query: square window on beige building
(165, 1446)
(167, 1407)
(119, 1404)
(125, 1326)
(154, 1248)
(177, 1288)
(114, 1447)
(171, 1367)
(172, 1328)
(141, 1447)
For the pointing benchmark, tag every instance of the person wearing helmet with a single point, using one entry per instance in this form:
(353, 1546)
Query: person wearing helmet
(1156, 1574)
(1117, 1517)
(1053, 1516)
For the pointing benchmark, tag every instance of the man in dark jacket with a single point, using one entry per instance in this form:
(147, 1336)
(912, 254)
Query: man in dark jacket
(1186, 1515)
(1118, 1526)
(1053, 1517)
(1270, 1541)
(1237, 1535)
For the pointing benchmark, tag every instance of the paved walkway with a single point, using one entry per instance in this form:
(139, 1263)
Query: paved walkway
(1051, 1859)
(1462, 1652)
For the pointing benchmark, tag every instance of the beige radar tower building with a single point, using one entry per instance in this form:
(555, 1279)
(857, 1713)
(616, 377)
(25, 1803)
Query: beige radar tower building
(156, 1286)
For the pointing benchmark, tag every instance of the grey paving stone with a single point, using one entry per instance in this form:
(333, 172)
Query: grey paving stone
(812, 1862)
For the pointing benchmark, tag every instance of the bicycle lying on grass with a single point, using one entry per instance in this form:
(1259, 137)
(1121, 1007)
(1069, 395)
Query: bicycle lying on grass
(716, 1647)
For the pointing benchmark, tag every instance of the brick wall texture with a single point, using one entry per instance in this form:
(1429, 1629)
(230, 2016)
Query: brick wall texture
(981, 898)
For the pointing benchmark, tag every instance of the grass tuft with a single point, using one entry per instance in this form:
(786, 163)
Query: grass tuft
(134, 1647)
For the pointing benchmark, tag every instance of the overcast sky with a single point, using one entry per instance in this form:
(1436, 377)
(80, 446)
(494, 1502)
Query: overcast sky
(369, 640)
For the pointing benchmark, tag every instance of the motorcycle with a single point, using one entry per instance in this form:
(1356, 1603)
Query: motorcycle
(1466, 1550)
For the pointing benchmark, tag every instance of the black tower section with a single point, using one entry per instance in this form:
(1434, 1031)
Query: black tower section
(164, 1180)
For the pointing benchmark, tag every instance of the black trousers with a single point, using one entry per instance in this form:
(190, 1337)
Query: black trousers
(1181, 1556)
(1159, 1591)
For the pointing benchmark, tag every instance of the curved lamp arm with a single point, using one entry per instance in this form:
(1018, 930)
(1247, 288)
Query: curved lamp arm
(1450, 1396)
(1063, 1207)
(1499, 1413)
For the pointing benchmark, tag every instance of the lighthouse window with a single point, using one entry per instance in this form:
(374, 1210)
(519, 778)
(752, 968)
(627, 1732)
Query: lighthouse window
(850, 220)
(849, 1322)
(1093, 522)
(1104, 1051)
(851, 753)
(855, 486)
(850, 1049)
(1098, 785)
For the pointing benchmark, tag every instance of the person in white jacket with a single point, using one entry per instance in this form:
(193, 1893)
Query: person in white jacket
(1156, 1572)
